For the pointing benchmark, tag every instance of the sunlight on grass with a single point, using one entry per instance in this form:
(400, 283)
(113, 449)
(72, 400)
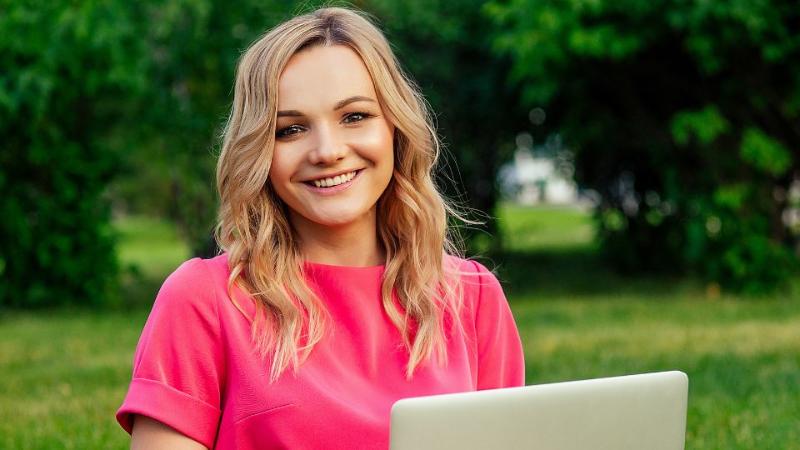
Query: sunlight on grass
(152, 245)
(544, 228)
(63, 374)
(743, 364)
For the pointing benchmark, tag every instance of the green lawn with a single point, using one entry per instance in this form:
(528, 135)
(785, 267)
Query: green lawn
(63, 373)
(149, 249)
(150, 245)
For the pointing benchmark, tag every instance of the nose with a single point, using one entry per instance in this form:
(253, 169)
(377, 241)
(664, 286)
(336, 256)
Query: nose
(328, 147)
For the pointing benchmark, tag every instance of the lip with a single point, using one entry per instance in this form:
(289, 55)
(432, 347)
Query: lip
(336, 189)
(335, 174)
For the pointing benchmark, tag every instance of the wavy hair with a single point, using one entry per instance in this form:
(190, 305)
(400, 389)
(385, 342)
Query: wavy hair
(412, 216)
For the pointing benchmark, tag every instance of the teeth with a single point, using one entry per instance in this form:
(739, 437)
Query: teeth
(334, 181)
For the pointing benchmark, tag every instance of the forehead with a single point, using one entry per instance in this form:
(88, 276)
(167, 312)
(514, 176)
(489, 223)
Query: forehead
(320, 76)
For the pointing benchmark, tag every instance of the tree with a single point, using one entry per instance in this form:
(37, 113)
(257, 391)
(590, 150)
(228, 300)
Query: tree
(195, 45)
(684, 117)
(447, 47)
(192, 47)
(67, 72)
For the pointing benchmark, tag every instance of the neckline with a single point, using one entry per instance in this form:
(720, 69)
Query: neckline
(317, 265)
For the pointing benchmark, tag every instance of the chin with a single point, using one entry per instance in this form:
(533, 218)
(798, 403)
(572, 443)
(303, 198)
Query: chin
(335, 220)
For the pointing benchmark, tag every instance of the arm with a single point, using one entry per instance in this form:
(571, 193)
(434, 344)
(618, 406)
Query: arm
(179, 364)
(149, 434)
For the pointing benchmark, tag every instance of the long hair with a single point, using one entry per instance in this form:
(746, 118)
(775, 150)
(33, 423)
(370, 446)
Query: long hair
(412, 216)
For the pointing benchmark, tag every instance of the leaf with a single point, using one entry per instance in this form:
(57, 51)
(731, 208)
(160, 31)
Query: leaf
(704, 125)
(764, 153)
(732, 196)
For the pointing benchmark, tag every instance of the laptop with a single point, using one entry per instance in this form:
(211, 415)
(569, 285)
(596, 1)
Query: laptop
(646, 411)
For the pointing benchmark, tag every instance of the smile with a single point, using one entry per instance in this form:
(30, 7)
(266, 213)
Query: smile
(333, 185)
(334, 181)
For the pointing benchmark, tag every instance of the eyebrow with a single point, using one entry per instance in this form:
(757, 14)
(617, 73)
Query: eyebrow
(353, 99)
(339, 105)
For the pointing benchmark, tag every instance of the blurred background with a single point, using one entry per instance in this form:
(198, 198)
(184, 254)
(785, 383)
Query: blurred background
(637, 161)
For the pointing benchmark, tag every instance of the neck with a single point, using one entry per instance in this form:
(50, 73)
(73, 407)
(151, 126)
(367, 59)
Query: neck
(354, 244)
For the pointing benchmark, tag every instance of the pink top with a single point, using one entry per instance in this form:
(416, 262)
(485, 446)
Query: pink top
(193, 368)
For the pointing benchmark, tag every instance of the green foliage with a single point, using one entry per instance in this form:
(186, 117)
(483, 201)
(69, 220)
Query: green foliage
(195, 45)
(447, 48)
(67, 71)
(124, 102)
(705, 125)
(192, 47)
(683, 117)
(765, 153)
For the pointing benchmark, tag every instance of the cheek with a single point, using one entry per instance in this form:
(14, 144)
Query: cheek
(280, 172)
(378, 144)
(282, 164)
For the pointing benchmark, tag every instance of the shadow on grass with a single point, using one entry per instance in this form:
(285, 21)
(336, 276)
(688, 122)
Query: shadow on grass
(533, 274)
(576, 272)
(139, 291)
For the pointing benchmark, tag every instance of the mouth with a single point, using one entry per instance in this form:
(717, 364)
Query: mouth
(331, 182)
(329, 186)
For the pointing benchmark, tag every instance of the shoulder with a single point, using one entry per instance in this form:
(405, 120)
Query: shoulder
(201, 267)
(193, 285)
(198, 273)
(470, 271)
(477, 282)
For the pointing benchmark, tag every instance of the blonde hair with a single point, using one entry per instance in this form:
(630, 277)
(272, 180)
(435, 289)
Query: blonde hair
(253, 226)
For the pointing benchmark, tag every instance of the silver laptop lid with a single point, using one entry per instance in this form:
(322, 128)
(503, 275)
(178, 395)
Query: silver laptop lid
(646, 411)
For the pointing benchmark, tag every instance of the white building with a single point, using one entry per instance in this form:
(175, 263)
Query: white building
(531, 180)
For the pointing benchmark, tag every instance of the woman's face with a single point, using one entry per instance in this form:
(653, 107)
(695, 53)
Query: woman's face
(333, 153)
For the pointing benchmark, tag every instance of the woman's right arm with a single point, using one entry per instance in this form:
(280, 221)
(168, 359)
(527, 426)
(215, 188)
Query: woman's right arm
(178, 366)
(149, 434)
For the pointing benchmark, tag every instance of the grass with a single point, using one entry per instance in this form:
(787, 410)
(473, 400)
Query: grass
(149, 249)
(151, 245)
(64, 373)
(741, 358)
(578, 319)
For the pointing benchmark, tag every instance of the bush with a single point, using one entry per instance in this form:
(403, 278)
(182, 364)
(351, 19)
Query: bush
(683, 116)
(67, 70)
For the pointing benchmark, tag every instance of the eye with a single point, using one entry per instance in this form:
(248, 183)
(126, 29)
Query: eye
(288, 131)
(356, 117)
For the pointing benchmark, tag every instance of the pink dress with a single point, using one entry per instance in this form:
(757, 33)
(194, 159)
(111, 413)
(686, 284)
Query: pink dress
(193, 368)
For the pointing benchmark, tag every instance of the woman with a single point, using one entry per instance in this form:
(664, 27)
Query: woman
(337, 293)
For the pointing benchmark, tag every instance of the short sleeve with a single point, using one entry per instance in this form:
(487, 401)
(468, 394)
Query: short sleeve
(178, 363)
(501, 362)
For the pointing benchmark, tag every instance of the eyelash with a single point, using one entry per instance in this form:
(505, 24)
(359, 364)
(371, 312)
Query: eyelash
(284, 132)
(364, 116)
